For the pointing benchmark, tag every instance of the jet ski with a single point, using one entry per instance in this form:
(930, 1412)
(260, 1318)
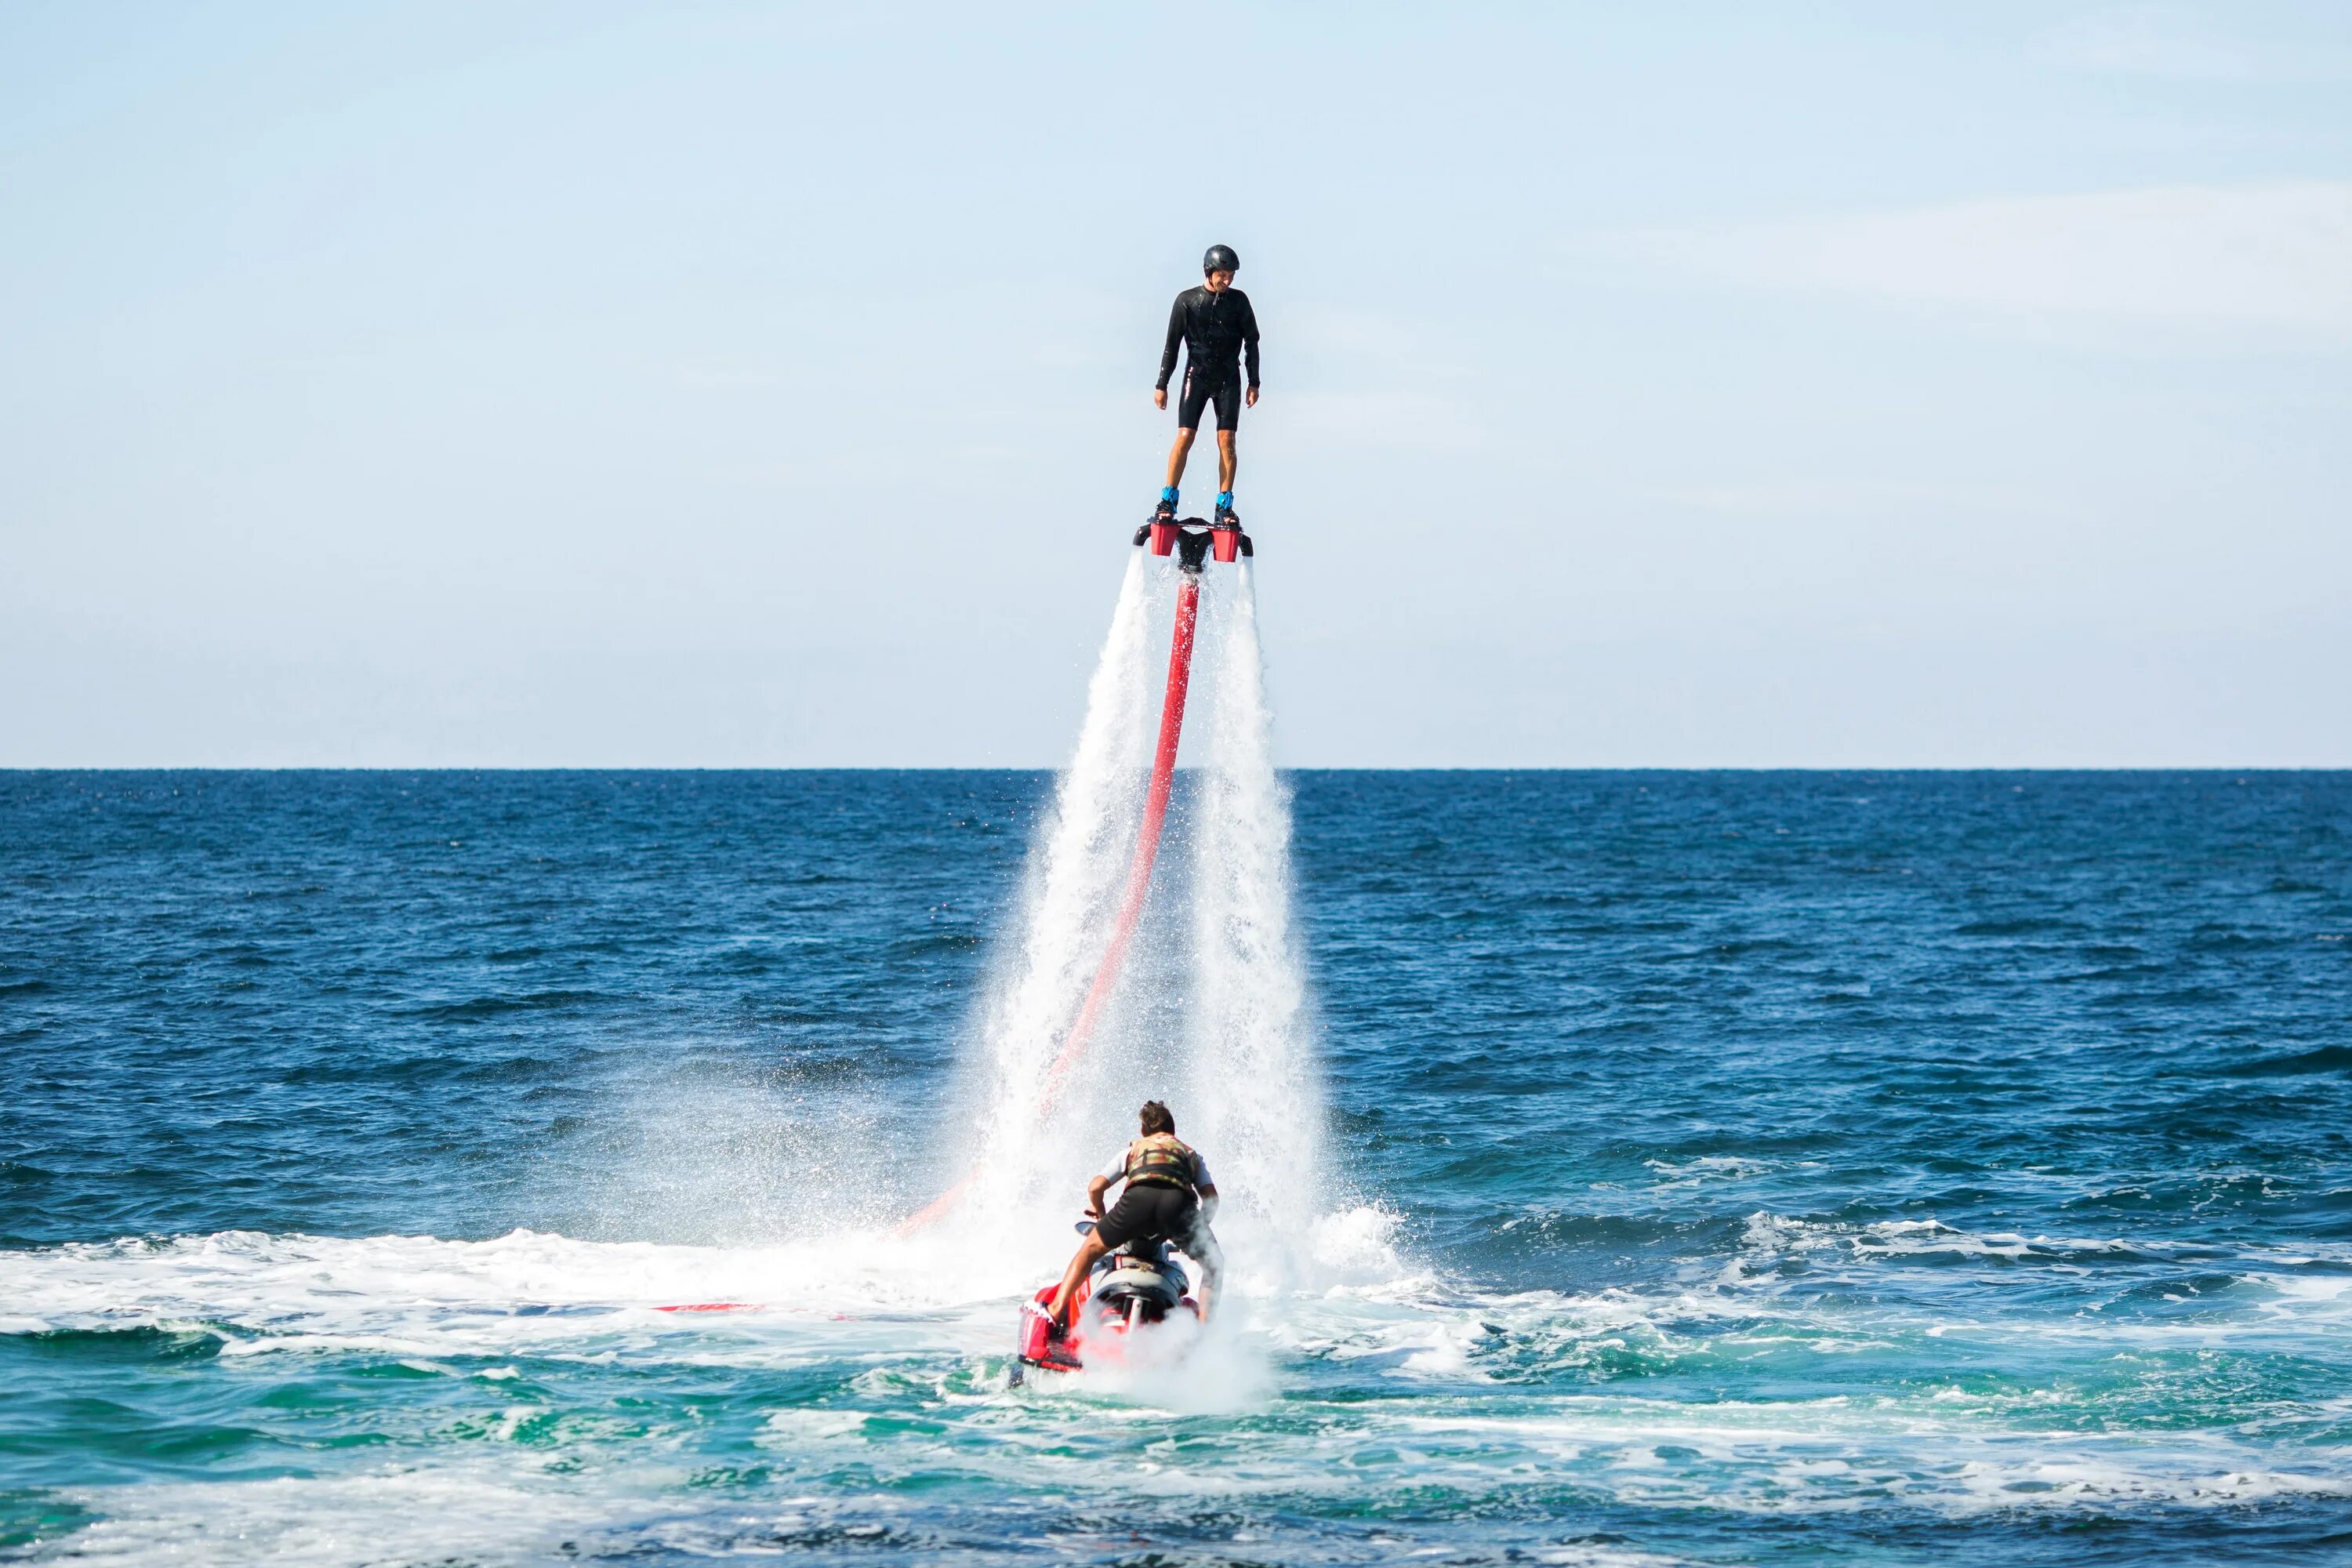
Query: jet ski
(1130, 1288)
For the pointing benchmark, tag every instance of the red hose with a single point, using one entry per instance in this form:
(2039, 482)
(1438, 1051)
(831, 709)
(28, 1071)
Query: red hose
(1138, 877)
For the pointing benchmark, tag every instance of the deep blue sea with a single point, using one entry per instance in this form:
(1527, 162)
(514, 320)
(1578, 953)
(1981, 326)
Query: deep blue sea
(1722, 1168)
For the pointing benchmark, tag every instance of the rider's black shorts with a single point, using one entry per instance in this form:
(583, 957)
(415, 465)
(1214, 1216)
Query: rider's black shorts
(1199, 390)
(1153, 1210)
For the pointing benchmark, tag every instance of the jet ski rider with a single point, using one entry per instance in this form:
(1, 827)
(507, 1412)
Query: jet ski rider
(1169, 1197)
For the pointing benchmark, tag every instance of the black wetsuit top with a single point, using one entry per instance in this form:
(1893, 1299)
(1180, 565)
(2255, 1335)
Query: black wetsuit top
(1215, 330)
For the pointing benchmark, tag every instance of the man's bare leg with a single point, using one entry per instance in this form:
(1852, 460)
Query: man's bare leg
(1224, 461)
(1089, 1252)
(1177, 454)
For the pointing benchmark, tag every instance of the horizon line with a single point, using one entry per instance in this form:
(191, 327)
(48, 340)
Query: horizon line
(2248, 768)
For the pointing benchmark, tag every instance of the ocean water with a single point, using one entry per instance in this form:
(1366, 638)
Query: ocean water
(1841, 1168)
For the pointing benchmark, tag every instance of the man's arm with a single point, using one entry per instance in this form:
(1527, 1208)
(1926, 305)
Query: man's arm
(1175, 336)
(1208, 1202)
(1114, 1171)
(1249, 342)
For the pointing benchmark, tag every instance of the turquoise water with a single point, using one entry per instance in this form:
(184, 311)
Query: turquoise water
(1718, 1168)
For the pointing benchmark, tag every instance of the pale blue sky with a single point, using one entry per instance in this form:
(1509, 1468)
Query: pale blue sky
(749, 384)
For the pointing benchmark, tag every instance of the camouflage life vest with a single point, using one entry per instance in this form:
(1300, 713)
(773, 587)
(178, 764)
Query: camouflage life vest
(1162, 1159)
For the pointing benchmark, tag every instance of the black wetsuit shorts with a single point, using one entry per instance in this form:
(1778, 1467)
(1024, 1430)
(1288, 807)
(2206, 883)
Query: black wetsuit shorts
(1199, 391)
(1154, 1210)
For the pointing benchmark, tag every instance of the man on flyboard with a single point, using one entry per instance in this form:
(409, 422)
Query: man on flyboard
(1217, 327)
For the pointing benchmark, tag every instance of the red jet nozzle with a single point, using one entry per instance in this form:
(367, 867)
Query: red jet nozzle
(1195, 542)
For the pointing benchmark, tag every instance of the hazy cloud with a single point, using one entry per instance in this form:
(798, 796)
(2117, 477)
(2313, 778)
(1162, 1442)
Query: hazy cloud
(2166, 41)
(2275, 255)
(1845, 497)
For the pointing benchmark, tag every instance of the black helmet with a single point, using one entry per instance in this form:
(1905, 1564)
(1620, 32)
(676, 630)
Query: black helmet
(1221, 259)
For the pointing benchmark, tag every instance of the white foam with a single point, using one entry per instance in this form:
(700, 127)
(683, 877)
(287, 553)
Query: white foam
(1183, 1367)
(527, 1291)
(1767, 1238)
(1674, 1174)
(1460, 1415)
(492, 1512)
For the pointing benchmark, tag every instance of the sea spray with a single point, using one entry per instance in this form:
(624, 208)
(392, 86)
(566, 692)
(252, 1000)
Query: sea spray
(1209, 1011)
(1255, 1102)
(1073, 881)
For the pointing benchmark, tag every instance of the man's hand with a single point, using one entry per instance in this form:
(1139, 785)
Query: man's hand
(1159, 397)
(1250, 397)
(1095, 1191)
